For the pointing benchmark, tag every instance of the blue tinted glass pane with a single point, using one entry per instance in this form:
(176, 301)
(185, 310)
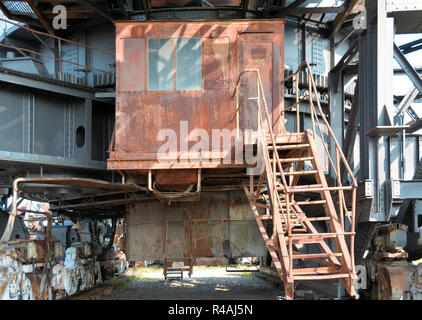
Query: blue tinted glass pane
(188, 64)
(160, 64)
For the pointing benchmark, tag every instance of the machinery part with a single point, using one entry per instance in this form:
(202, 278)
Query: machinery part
(390, 241)
(364, 233)
(414, 284)
(392, 278)
(14, 284)
(361, 283)
(18, 231)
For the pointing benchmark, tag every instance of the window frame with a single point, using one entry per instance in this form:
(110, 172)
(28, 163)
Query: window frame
(174, 40)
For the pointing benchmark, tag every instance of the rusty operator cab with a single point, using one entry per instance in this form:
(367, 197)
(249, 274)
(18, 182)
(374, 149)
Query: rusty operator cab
(175, 111)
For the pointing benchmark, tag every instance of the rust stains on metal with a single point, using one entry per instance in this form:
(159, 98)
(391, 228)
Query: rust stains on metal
(392, 279)
(208, 228)
(142, 109)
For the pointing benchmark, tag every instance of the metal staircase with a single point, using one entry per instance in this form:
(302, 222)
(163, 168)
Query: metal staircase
(292, 182)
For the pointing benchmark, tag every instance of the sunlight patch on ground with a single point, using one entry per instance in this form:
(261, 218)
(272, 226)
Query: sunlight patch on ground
(220, 287)
(156, 273)
(178, 284)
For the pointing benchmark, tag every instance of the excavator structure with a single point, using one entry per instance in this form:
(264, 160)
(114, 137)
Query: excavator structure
(225, 83)
(198, 133)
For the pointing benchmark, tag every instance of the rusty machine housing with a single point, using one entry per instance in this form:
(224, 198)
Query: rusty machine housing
(57, 260)
(200, 63)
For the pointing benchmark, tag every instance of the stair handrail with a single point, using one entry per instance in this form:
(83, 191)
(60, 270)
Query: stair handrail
(338, 150)
(306, 65)
(262, 137)
(270, 126)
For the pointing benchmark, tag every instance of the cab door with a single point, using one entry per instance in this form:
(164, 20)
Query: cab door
(255, 51)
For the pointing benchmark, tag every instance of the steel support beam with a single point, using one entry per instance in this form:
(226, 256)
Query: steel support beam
(47, 85)
(88, 124)
(34, 6)
(336, 103)
(351, 130)
(38, 159)
(43, 42)
(376, 108)
(406, 202)
(403, 5)
(291, 7)
(341, 18)
(407, 189)
(123, 8)
(408, 68)
(414, 125)
(96, 9)
(6, 11)
(405, 103)
(344, 62)
(411, 46)
(245, 5)
(147, 9)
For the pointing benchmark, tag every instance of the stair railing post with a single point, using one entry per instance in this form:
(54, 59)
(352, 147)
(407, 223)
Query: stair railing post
(289, 234)
(259, 102)
(340, 192)
(237, 113)
(297, 104)
(311, 104)
(330, 131)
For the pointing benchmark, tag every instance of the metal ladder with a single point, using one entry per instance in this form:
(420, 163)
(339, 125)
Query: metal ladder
(291, 226)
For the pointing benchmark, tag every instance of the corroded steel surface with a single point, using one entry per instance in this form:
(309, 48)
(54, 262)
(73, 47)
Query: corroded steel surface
(227, 47)
(393, 278)
(40, 270)
(24, 278)
(220, 225)
(181, 3)
(414, 284)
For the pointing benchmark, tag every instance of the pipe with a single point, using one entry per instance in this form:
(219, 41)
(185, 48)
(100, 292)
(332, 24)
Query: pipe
(11, 221)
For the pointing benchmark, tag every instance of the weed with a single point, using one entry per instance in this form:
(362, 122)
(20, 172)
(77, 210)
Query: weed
(120, 282)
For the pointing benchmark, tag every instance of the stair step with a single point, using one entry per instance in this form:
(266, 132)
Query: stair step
(292, 224)
(293, 216)
(320, 235)
(314, 188)
(265, 217)
(315, 270)
(261, 205)
(289, 146)
(300, 187)
(294, 221)
(319, 219)
(293, 138)
(316, 255)
(314, 238)
(297, 173)
(287, 160)
(322, 276)
(304, 203)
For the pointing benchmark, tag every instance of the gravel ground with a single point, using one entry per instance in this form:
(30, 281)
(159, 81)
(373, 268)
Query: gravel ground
(205, 284)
